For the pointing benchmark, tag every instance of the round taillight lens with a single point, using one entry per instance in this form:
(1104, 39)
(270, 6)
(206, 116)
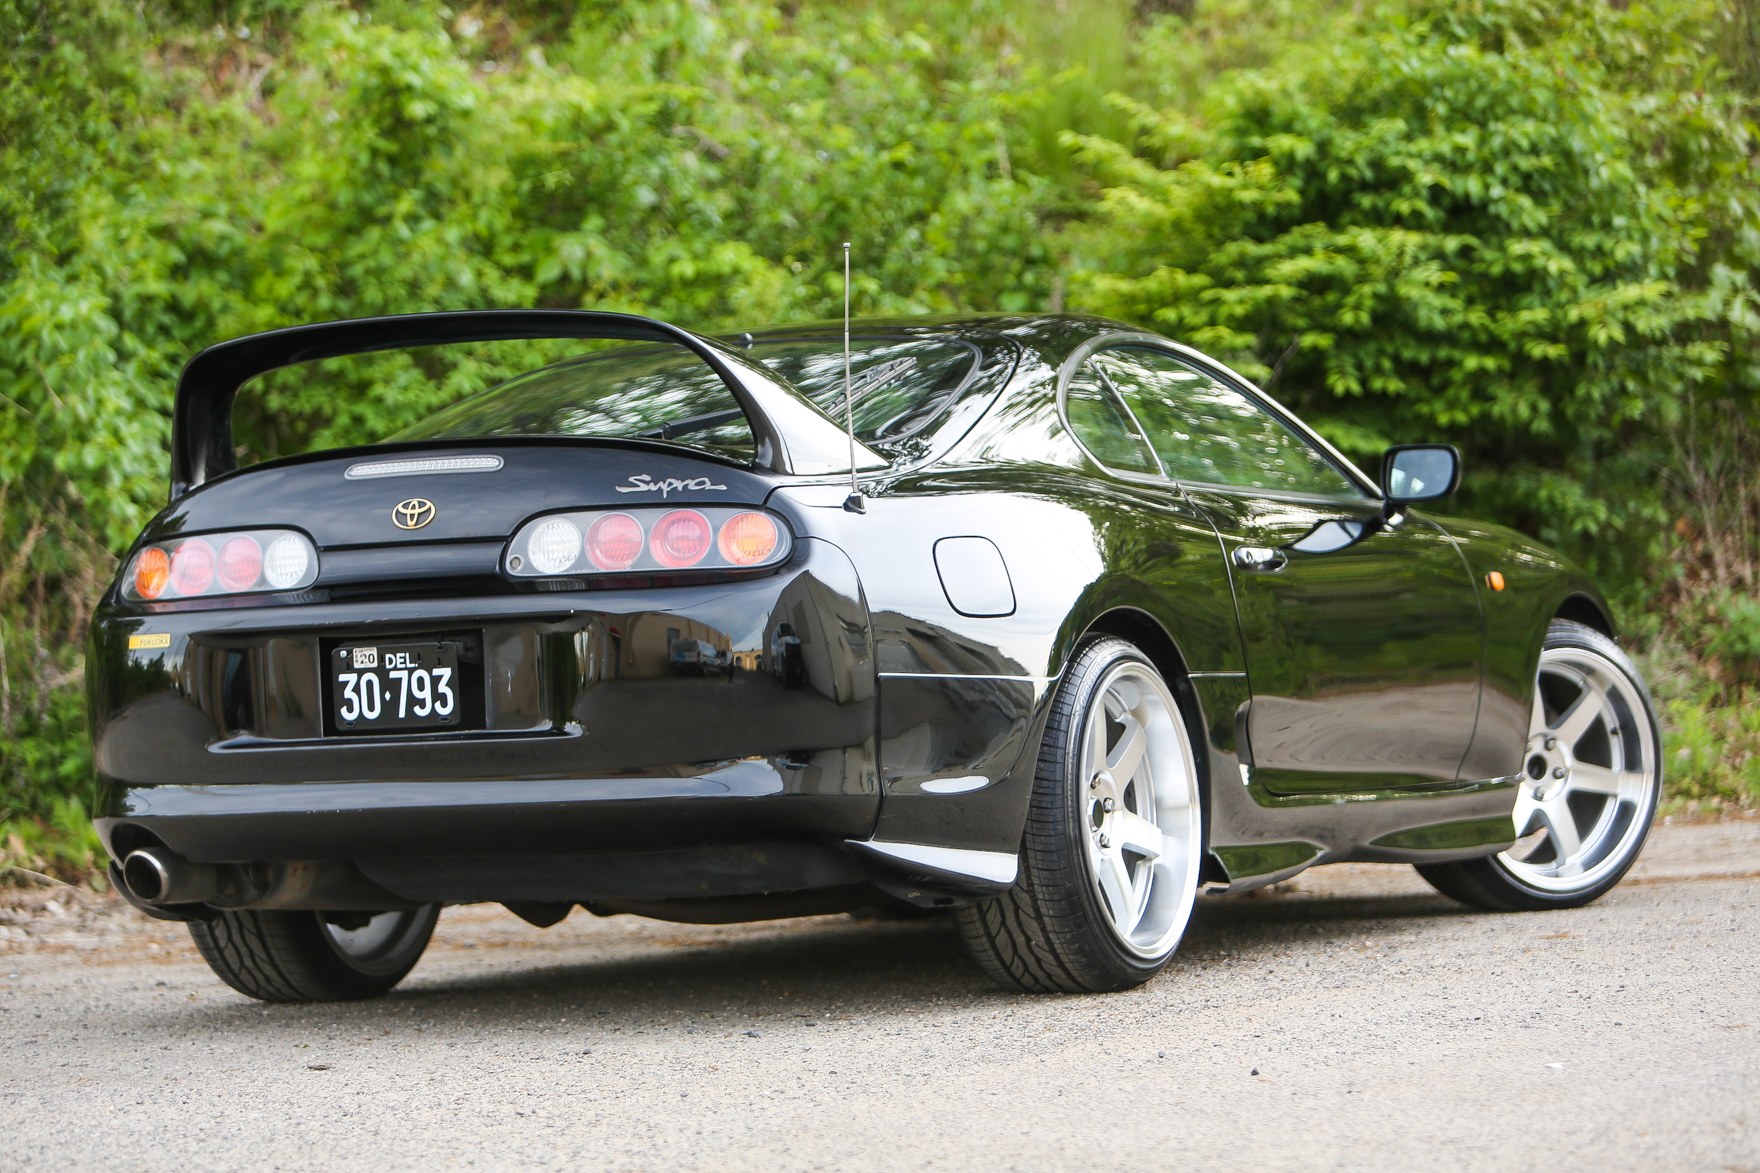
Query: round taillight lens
(614, 542)
(241, 561)
(192, 567)
(151, 570)
(554, 546)
(681, 538)
(747, 538)
(286, 562)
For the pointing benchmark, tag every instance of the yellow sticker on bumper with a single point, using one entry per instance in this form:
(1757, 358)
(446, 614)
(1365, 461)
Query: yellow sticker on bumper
(160, 640)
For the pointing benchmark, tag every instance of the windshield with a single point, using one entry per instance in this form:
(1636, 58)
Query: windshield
(900, 384)
(630, 392)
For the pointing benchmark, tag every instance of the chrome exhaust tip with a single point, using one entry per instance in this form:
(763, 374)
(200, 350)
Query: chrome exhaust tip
(156, 876)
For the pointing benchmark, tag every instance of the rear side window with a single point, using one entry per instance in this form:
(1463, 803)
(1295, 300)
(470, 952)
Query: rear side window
(900, 385)
(1098, 417)
(1207, 432)
(631, 392)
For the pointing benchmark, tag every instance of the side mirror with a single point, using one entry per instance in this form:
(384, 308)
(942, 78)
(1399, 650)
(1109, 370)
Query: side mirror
(1420, 472)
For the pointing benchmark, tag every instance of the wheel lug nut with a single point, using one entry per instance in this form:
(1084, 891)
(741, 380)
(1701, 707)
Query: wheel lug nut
(1552, 743)
(1107, 805)
(1558, 771)
(1105, 842)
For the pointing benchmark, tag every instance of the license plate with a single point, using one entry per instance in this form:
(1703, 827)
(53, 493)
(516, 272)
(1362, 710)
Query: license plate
(395, 686)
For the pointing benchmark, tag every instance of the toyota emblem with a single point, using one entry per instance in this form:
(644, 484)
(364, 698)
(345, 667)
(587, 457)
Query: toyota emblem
(413, 514)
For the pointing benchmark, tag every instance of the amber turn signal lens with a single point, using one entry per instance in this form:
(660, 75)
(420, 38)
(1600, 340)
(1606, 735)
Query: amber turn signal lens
(747, 539)
(1494, 580)
(681, 538)
(614, 542)
(151, 570)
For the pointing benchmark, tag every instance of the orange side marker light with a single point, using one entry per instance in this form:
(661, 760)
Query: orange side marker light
(1494, 580)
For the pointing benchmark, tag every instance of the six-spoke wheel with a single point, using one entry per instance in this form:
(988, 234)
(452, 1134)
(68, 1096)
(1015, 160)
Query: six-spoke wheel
(1588, 789)
(1109, 862)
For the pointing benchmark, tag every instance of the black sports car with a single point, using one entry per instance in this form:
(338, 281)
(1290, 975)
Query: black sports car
(1103, 625)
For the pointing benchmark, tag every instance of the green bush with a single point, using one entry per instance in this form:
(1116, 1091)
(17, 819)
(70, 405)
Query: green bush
(1711, 756)
(1526, 227)
(1508, 225)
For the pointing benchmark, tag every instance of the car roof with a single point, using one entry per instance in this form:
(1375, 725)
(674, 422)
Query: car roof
(1049, 334)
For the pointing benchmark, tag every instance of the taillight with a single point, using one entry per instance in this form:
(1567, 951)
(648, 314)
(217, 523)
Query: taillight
(614, 542)
(192, 567)
(556, 546)
(747, 538)
(680, 539)
(241, 561)
(290, 556)
(252, 560)
(594, 542)
(152, 567)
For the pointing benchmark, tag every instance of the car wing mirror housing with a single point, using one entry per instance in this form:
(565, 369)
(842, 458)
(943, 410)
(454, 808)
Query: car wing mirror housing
(1419, 472)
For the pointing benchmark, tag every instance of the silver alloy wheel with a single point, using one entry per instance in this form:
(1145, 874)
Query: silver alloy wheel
(1142, 817)
(377, 944)
(1589, 776)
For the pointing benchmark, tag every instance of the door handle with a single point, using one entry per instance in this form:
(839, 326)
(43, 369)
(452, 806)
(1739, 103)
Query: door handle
(1263, 559)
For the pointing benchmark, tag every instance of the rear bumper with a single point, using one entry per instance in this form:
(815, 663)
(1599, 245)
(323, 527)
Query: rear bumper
(210, 737)
(738, 803)
(739, 831)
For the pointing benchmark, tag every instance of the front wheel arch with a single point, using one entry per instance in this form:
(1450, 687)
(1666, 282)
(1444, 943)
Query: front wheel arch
(1582, 609)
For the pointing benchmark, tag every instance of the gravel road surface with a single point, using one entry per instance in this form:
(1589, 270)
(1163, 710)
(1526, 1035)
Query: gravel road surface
(1350, 1020)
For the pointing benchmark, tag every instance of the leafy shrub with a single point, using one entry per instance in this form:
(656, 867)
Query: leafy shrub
(1483, 223)
(1725, 628)
(61, 844)
(1527, 227)
(1712, 753)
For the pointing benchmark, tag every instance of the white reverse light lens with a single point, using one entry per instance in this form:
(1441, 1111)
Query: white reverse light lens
(555, 545)
(286, 561)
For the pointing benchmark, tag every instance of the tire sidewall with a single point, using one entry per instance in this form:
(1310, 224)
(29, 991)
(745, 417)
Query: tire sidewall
(1089, 669)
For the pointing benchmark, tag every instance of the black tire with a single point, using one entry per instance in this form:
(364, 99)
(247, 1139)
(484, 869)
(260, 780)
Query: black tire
(282, 956)
(1496, 883)
(1050, 933)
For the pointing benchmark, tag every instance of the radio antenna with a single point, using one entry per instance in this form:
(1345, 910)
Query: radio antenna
(853, 503)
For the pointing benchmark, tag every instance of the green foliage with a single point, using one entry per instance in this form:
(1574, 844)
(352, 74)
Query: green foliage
(176, 175)
(1711, 734)
(1712, 755)
(1485, 223)
(61, 844)
(1526, 227)
(1725, 629)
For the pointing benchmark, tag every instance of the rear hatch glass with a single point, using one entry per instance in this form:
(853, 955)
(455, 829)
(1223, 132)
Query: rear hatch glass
(645, 392)
(900, 384)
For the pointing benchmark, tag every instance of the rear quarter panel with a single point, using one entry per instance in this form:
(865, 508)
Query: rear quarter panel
(964, 696)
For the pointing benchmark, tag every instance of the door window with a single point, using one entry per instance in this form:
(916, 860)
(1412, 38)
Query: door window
(1102, 423)
(1207, 432)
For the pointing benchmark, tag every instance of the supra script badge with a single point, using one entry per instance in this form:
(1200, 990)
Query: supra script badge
(413, 514)
(641, 482)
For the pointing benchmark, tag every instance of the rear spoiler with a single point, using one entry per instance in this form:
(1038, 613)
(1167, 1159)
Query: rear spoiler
(791, 434)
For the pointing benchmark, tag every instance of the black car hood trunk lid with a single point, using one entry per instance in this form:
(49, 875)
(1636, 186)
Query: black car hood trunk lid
(337, 510)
